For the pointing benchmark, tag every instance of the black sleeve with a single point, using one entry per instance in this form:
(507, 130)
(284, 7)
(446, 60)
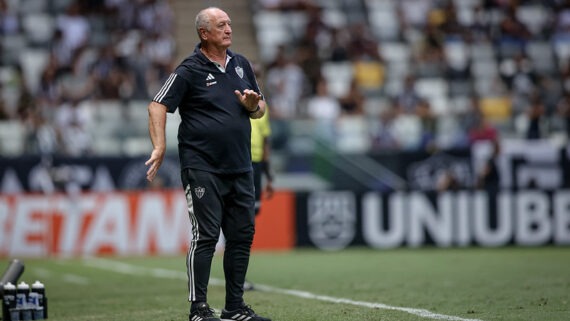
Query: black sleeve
(172, 92)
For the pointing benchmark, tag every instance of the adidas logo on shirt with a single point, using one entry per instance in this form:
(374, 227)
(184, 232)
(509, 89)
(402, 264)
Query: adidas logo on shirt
(210, 80)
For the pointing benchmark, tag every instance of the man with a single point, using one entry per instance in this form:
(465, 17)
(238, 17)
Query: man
(216, 94)
(260, 132)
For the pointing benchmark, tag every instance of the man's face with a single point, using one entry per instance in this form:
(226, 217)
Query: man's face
(220, 33)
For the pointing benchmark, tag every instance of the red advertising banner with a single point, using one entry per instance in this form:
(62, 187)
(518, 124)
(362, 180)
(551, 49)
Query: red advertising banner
(118, 223)
(275, 223)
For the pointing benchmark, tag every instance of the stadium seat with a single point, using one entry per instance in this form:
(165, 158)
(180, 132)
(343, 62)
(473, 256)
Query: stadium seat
(12, 46)
(384, 23)
(496, 109)
(137, 146)
(432, 88)
(393, 51)
(33, 62)
(456, 54)
(32, 6)
(448, 133)
(375, 106)
(542, 56)
(338, 76)
(353, 134)
(39, 28)
(408, 130)
(484, 68)
(380, 4)
(334, 18)
(533, 16)
(12, 138)
(482, 51)
(171, 131)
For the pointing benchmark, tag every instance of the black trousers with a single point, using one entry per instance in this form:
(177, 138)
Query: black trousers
(219, 201)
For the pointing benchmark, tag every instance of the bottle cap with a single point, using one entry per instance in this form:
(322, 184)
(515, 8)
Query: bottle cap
(9, 286)
(37, 285)
(23, 285)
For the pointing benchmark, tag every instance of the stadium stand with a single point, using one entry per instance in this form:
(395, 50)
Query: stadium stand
(108, 57)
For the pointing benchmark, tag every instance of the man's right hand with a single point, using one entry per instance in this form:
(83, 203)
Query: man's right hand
(154, 162)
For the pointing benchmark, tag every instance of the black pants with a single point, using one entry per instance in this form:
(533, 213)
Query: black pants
(219, 201)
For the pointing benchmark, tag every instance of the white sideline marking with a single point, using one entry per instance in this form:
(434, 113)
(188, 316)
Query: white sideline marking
(125, 268)
(72, 278)
(67, 277)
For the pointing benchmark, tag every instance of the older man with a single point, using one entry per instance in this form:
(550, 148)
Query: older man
(216, 94)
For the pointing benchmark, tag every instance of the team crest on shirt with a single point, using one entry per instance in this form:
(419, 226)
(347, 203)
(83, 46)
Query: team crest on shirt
(199, 191)
(239, 71)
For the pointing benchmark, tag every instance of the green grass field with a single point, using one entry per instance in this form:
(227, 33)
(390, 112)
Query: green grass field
(504, 284)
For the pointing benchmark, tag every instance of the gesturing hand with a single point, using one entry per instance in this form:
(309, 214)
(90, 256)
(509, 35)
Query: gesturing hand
(154, 161)
(249, 99)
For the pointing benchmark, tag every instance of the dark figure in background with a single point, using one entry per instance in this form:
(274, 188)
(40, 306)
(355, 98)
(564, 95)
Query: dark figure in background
(489, 178)
(216, 94)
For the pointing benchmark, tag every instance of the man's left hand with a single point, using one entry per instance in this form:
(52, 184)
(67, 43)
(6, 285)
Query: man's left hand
(249, 99)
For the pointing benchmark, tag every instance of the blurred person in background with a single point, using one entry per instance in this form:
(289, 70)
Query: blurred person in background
(71, 121)
(352, 102)
(216, 94)
(285, 82)
(489, 178)
(535, 114)
(74, 27)
(325, 110)
(563, 110)
(260, 160)
(9, 20)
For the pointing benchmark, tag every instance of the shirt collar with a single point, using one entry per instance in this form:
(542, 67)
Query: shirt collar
(203, 59)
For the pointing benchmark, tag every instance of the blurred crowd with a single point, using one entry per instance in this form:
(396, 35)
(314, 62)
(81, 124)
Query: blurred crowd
(424, 74)
(56, 55)
(372, 74)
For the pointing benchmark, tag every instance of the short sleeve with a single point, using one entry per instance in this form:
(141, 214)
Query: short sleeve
(172, 92)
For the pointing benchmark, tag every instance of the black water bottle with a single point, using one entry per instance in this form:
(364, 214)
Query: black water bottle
(9, 311)
(39, 290)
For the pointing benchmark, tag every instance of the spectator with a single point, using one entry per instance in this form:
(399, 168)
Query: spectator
(489, 179)
(338, 50)
(9, 20)
(4, 112)
(413, 13)
(74, 27)
(41, 136)
(383, 135)
(352, 103)
(155, 17)
(428, 123)
(513, 34)
(563, 111)
(48, 91)
(76, 84)
(322, 106)
(408, 99)
(284, 84)
(72, 121)
(535, 116)
(160, 48)
(483, 130)
(325, 110)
